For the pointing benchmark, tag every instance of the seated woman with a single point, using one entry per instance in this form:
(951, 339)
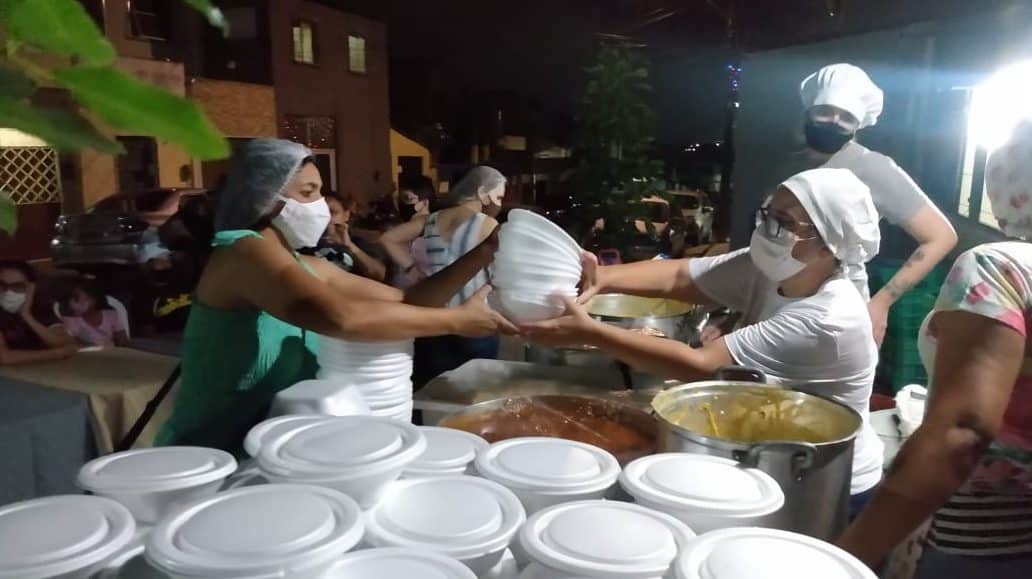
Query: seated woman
(89, 318)
(259, 305)
(805, 320)
(336, 245)
(28, 333)
(969, 465)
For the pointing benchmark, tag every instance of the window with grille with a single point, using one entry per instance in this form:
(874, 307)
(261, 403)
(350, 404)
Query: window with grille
(304, 42)
(149, 19)
(357, 54)
(30, 175)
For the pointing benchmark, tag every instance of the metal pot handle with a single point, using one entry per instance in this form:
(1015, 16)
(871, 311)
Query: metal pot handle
(741, 374)
(803, 455)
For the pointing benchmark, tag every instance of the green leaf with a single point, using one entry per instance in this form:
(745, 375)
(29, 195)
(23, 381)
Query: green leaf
(211, 13)
(60, 26)
(60, 128)
(126, 103)
(8, 214)
(14, 84)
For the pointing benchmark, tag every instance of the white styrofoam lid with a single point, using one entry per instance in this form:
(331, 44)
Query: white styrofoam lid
(263, 531)
(60, 535)
(341, 447)
(446, 448)
(156, 469)
(746, 553)
(702, 484)
(273, 427)
(398, 563)
(604, 538)
(459, 516)
(549, 465)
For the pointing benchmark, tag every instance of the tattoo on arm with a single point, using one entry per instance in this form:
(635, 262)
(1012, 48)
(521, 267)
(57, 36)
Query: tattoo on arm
(897, 289)
(916, 257)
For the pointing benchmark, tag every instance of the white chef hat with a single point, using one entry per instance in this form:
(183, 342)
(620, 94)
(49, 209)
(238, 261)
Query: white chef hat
(839, 205)
(847, 87)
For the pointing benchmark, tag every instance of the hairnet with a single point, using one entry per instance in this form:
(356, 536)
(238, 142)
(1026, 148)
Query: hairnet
(1008, 182)
(840, 207)
(259, 171)
(479, 178)
(847, 87)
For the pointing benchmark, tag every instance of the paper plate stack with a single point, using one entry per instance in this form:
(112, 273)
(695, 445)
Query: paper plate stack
(536, 265)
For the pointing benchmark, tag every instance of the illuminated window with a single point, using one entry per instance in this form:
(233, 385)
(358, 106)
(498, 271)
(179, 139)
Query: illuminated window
(357, 54)
(304, 42)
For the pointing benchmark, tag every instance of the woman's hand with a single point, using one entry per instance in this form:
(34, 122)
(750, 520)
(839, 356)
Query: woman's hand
(479, 320)
(590, 284)
(574, 328)
(879, 312)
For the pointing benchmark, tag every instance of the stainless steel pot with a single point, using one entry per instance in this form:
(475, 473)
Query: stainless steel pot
(814, 466)
(675, 320)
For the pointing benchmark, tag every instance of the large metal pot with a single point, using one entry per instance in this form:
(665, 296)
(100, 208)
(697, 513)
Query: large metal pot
(802, 440)
(675, 320)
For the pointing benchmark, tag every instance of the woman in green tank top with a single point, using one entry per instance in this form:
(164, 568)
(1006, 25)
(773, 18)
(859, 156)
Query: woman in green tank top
(259, 305)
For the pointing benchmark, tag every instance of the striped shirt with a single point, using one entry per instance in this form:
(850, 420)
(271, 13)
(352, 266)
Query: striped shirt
(442, 252)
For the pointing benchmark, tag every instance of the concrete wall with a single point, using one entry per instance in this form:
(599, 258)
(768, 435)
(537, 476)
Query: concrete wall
(358, 103)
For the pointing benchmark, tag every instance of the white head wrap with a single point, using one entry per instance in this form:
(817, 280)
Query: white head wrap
(847, 87)
(1008, 182)
(840, 207)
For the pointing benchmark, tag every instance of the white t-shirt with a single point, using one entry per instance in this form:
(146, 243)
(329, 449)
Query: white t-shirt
(896, 196)
(822, 343)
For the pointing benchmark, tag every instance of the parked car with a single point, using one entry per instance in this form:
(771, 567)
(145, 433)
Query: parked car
(697, 212)
(117, 229)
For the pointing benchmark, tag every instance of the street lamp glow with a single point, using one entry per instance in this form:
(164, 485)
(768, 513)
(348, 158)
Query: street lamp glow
(999, 104)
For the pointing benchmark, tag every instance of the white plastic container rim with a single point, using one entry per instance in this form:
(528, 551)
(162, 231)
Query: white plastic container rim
(59, 535)
(701, 484)
(523, 234)
(156, 469)
(461, 516)
(521, 217)
(341, 448)
(553, 466)
(447, 449)
(400, 346)
(604, 538)
(398, 563)
(291, 529)
(274, 426)
(749, 552)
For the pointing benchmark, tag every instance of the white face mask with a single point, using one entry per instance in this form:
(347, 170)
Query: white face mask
(302, 224)
(12, 301)
(774, 258)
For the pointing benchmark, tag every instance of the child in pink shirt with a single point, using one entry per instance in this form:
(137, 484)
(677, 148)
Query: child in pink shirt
(89, 319)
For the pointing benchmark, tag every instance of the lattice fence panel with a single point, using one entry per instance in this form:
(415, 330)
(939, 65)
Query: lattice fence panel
(30, 174)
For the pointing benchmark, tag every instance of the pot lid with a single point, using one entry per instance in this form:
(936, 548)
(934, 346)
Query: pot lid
(156, 469)
(256, 532)
(341, 447)
(458, 516)
(60, 535)
(398, 563)
(604, 538)
(548, 464)
(702, 484)
(446, 448)
(745, 553)
(275, 426)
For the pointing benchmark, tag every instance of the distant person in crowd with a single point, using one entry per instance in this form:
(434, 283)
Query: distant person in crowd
(90, 319)
(405, 243)
(450, 234)
(260, 306)
(840, 100)
(969, 465)
(338, 248)
(805, 323)
(28, 333)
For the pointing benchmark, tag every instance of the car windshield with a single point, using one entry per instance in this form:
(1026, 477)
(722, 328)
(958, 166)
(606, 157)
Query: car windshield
(151, 200)
(689, 202)
(657, 212)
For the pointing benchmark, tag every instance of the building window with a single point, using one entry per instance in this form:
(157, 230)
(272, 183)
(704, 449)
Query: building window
(149, 19)
(357, 54)
(304, 42)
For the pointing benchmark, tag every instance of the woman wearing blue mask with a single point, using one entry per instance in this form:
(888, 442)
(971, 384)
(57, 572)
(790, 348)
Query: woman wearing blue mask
(803, 319)
(840, 100)
(259, 304)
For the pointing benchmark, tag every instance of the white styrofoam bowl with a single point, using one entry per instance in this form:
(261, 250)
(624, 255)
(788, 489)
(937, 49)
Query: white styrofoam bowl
(523, 309)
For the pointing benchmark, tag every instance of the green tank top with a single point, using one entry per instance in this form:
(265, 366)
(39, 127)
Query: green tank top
(234, 363)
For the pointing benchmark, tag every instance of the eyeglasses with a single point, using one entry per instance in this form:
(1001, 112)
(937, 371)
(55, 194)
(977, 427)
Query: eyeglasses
(778, 226)
(18, 286)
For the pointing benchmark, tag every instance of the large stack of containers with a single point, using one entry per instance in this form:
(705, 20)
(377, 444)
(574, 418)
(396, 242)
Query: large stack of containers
(899, 363)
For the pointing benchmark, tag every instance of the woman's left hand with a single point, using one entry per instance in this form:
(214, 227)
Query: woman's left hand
(574, 328)
(879, 313)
